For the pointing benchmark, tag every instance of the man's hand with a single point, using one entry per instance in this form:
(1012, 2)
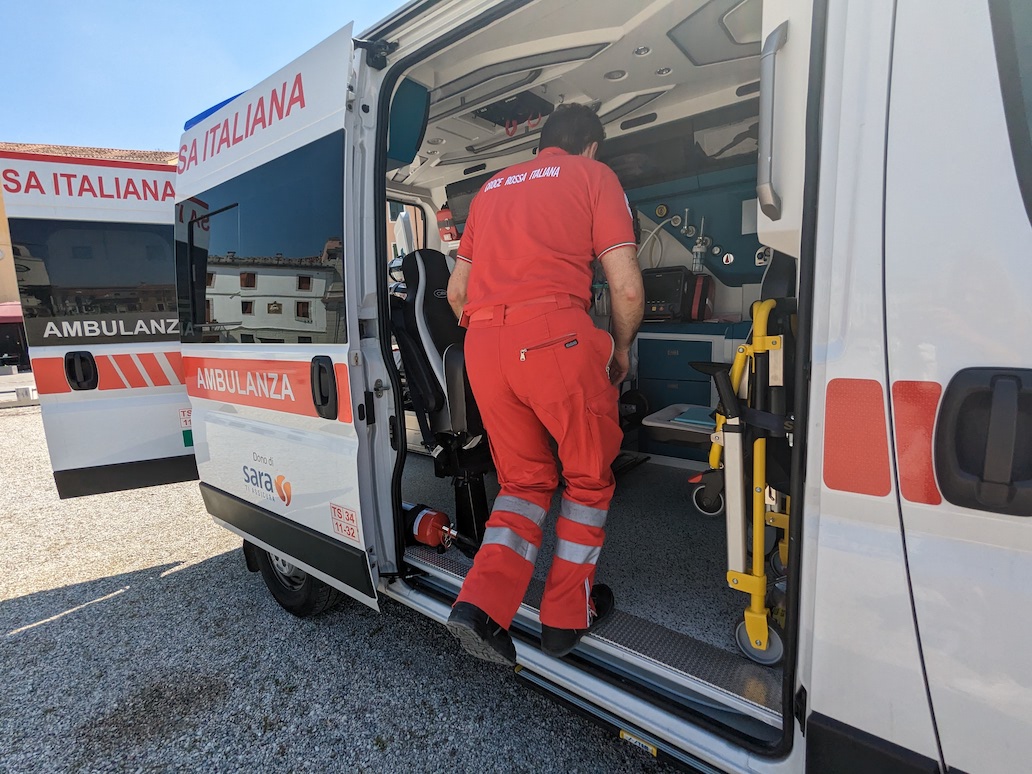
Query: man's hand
(627, 301)
(619, 366)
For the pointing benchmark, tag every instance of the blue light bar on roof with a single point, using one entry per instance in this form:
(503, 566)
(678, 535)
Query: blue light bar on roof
(201, 116)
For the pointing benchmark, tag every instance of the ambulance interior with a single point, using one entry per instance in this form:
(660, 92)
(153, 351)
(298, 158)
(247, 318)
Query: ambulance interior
(676, 86)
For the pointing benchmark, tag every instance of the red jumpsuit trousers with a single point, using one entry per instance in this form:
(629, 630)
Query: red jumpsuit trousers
(539, 369)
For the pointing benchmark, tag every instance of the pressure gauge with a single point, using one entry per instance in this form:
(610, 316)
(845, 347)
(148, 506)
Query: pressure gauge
(716, 249)
(662, 210)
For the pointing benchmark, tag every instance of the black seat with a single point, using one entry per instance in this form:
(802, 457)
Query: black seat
(430, 342)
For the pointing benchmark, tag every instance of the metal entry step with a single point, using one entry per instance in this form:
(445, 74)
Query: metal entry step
(670, 662)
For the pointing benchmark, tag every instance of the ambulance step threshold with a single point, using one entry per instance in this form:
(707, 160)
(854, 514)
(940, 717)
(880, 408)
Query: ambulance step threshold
(673, 664)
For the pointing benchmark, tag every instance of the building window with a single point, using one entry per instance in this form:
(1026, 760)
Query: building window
(304, 282)
(304, 310)
(247, 279)
(304, 339)
(209, 315)
(247, 338)
(209, 279)
(275, 308)
(247, 307)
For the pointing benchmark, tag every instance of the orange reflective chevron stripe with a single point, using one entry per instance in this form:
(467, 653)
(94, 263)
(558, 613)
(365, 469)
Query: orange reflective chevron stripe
(343, 392)
(153, 369)
(856, 439)
(114, 372)
(129, 371)
(914, 407)
(50, 376)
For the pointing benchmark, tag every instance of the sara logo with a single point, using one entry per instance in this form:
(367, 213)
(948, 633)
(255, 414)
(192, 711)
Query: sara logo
(267, 487)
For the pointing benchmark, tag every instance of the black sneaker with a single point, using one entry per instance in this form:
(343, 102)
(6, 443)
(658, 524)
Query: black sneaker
(559, 642)
(480, 636)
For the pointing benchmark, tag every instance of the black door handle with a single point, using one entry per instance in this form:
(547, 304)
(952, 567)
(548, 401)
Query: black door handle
(324, 387)
(81, 371)
(983, 440)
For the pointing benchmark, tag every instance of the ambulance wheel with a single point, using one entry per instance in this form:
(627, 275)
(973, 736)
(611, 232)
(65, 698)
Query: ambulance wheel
(296, 591)
(769, 657)
(707, 506)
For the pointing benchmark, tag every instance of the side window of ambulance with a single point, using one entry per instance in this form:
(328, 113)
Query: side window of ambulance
(262, 257)
(1012, 30)
(94, 281)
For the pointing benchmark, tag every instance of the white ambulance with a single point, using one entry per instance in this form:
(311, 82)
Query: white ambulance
(94, 259)
(857, 175)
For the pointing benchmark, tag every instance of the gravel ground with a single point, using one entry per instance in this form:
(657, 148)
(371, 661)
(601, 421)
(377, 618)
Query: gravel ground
(132, 638)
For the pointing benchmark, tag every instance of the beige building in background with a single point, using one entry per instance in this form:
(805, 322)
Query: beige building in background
(8, 278)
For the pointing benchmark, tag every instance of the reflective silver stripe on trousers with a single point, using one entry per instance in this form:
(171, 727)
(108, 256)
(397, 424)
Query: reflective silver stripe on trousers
(576, 553)
(582, 514)
(522, 507)
(503, 536)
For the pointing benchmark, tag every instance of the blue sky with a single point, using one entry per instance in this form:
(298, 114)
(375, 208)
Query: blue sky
(129, 73)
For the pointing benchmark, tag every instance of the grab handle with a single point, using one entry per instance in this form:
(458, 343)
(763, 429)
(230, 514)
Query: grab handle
(769, 199)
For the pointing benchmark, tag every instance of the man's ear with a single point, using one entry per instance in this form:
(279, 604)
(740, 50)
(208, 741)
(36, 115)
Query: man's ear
(591, 151)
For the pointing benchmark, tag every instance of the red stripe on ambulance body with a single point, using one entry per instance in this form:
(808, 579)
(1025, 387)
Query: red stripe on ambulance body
(278, 385)
(914, 406)
(107, 376)
(153, 369)
(856, 442)
(49, 375)
(343, 392)
(175, 360)
(130, 371)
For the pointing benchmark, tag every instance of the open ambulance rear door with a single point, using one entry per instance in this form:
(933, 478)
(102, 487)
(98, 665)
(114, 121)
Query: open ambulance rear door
(958, 280)
(271, 352)
(94, 256)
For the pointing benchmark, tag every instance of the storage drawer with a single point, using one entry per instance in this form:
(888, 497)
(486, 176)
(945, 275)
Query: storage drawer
(665, 392)
(671, 359)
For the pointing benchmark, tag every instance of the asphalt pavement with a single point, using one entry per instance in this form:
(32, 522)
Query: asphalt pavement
(132, 638)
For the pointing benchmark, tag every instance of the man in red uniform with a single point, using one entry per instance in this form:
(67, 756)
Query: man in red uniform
(540, 369)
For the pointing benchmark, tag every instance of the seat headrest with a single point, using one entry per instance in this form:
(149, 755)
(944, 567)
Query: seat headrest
(426, 280)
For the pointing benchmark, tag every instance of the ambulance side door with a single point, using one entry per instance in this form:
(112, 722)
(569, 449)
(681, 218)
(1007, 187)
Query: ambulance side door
(958, 284)
(271, 350)
(95, 265)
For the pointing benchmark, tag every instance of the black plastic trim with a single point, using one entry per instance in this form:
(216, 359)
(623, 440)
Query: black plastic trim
(804, 348)
(125, 475)
(346, 563)
(1013, 96)
(832, 747)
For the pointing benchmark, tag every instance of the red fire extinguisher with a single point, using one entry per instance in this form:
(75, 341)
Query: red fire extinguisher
(445, 225)
(430, 527)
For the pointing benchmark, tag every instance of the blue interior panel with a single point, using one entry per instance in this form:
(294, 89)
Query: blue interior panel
(718, 196)
(409, 111)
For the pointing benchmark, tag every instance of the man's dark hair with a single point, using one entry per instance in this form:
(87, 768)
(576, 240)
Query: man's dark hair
(573, 128)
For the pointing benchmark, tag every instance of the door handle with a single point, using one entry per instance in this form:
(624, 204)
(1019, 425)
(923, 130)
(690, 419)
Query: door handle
(983, 440)
(324, 387)
(769, 199)
(81, 371)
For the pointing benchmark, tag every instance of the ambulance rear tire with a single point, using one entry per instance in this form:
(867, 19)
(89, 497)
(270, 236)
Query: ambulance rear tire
(775, 647)
(296, 591)
(711, 507)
